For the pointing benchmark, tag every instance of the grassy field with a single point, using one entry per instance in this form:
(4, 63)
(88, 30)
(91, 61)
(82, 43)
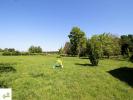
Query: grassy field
(33, 78)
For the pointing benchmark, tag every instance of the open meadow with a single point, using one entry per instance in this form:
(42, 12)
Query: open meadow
(33, 78)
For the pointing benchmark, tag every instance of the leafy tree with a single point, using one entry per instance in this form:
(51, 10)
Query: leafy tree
(11, 50)
(16, 53)
(126, 44)
(92, 53)
(32, 49)
(6, 53)
(24, 53)
(110, 44)
(77, 40)
(35, 49)
(61, 51)
(38, 49)
(96, 44)
(67, 48)
(1, 50)
(82, 52)
(82, 46)
(105, 44)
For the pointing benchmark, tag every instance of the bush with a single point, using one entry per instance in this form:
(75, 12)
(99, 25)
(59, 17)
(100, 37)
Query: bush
(131, 58)
(24, 53)
(6, 53)
(94, 58)
(63, 55)
(16, 53)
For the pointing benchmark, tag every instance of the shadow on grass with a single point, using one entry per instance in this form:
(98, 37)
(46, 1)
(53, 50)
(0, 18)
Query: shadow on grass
(124, 74)
(6, 67)
(83, 64)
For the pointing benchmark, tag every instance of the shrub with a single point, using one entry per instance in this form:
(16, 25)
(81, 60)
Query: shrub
(94, 59)
(6, 53)
(16, 53)
(93, 54)
(24, 53)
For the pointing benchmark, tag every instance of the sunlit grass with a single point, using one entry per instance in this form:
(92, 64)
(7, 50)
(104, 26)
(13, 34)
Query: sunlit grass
(35, 79)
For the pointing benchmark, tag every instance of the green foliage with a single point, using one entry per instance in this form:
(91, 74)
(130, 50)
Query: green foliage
(82, 52)
(61, 51)
(1, 50)
(6, 53)
(105, 44)
(95, 44)
(77, 40)
(16, 53)
(93, 54)
(10, 52)
(11, 49)
(67, 48)
(35, 49)
(94, 59)
(126, 44)
(25, 53)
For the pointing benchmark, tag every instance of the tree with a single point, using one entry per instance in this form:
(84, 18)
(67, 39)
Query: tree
(6, 49)
(126, 44)
(16, 53)
(11, 50)
(35, 49)
(82, 45)
(92, 53)
(67, 48)
(1, 50)
(105, 44)
(32, 49)
(96, 44)
(61, 51)
(77, 40)
(110, 44)
(38, 49)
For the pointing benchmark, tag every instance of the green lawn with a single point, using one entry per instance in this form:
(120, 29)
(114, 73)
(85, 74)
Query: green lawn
(33, 78)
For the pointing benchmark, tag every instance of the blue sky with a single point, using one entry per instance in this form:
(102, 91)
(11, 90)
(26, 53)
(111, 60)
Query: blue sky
(47, 23)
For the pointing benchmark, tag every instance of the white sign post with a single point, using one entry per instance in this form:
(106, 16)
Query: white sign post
(5, 94)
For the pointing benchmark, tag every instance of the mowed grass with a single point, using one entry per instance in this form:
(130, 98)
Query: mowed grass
(33, 78)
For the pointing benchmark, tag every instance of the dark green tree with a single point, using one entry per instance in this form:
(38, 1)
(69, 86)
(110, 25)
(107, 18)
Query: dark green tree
(126, 44)
(67, 48)
(61, 51)
(77, 40)
(35, 49)
(92, 53)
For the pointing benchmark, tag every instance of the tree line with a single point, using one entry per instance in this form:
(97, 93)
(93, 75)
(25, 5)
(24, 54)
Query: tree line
(33, 50)
(98, 46)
